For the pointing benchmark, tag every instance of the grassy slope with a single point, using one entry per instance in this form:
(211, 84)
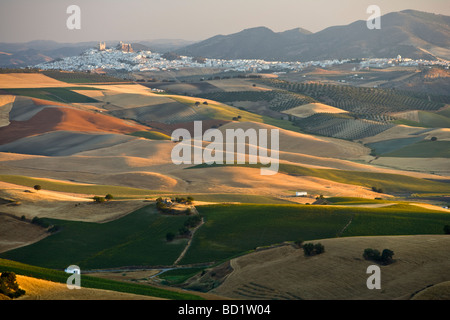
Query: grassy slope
(352, 201)
(177, 276)
(233, 229)
(386, 146)
(92, 282)
(243, 198)
(136, 239)
(151, 135)
(222, 111)
(75, 188)
(433, 120)
(428, 120)
(423, 149)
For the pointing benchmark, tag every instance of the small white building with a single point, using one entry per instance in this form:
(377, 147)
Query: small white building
(301, 194)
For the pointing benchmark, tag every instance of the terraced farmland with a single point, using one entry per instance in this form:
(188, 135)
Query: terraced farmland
(279, 100)
(362, 100)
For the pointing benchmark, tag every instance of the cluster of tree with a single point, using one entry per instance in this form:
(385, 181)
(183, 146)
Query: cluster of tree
(185, 230)
(236, 118)
(98, 199)
(384, 258)
(193, 221)
(39, 222)
(166, 206)
(42, 223)
(163, 206)
(187, 200)
(311, 249)
(379, 190)
(170, 236)
(197, 103)
(9, 286)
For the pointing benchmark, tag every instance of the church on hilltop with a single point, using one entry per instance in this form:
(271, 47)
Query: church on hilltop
(101, 46)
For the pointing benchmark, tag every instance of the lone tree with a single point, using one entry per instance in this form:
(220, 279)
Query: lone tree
(9, 286)
(371, 254)
(37, 187)
(98, 199)
(386, 256)
(319, 248)
(109, 197)
(170, 236)
(433, 139)
(308, 249)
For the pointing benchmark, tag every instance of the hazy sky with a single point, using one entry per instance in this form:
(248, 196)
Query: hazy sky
(25, 20)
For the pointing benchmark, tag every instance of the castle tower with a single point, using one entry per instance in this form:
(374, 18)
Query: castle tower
(124, 47)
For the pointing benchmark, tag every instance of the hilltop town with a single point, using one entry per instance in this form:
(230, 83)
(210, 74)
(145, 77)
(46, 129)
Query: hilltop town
(123, 57)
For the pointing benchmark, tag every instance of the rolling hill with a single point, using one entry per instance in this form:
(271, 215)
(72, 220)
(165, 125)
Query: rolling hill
(340, 272)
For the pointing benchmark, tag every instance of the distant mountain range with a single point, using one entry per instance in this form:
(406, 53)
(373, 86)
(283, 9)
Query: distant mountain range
(408, 33)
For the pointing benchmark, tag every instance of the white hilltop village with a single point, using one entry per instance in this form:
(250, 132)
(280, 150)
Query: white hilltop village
(123, 57)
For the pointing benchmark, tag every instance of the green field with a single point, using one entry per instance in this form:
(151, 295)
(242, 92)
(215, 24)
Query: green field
(445, 112)
(386, 146)
(117, 191)
(234, 229)
(177, 276)
(55, 94)
(341, 201)
(242, 198)
(92, 282)
(151, 135)
(433, 120)
(390, 183)
(423, 149)
(136, 239)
